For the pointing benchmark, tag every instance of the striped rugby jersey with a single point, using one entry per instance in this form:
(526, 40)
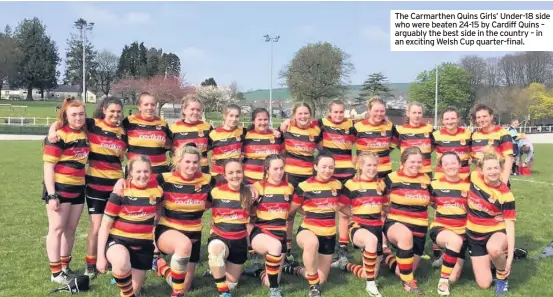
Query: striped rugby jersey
(184, 200)
(225, 145)
(299, 147)
(182, 133)
(409, 197)
(134, 213)
(147, 137)
(337, 139)
(366, 198)
(319, 201)
(108, 145)
(450, 201)
(459, 142)
(420, 137)
(229, 217)
(70, 154)
(498, 137)
(380, 139)
(257, 146)
(272, 207)
(488, 207)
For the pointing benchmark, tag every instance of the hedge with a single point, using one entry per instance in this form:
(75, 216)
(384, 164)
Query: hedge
(24, 130)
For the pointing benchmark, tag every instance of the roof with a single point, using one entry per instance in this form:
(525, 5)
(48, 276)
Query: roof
(68, 89)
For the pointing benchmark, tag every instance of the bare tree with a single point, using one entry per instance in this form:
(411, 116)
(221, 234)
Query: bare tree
(106, 71)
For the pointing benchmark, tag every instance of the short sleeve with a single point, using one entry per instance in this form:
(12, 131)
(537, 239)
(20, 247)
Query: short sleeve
(52, 151)
(387, 185)
(395, 138)
(160, 179)
(298, 196)
(89, 124)
(506, 145)
(345, 198)
(125, 123)
(508, 207)
(114, 205)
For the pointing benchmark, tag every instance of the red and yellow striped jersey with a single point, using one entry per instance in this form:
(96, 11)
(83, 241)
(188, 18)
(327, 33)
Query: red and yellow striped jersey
(257, 146)
(70, 154)
(337, 140)
(319, 201)
(147, 137)
(134, 213)
(225, 145)
(366, 198)
(184, 200)
(182, 133)
(299, 147)
(229, 217)
(420, 137)
(488, 207)
(409, 197)
(458, 142)
(498, 137)
(380, 139)
(450, 200)
(108, 145)
(272, 207)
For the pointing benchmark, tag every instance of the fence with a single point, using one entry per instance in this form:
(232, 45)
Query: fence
(41, 124)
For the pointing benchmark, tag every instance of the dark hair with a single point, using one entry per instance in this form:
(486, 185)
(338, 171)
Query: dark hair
(478, 107)
(450, 153)
(255, 112)
(323, 155)
(266, 165)
(104, 103)
(245, 193)
(450, 109)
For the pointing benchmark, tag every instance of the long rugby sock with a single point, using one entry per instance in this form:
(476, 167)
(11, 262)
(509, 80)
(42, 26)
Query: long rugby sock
(405, 264)
(449, 261)
(272, 267)
(356, 270)
(65, 260)
(313, 279)
(369, 263)
(55, 268)
(221, 284)
(179, 267)
(124, 282)
(90, 261)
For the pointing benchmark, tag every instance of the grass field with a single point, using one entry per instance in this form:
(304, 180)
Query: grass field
(24, 268)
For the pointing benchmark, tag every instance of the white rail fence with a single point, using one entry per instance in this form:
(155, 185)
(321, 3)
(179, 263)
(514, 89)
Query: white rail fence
(40, 121)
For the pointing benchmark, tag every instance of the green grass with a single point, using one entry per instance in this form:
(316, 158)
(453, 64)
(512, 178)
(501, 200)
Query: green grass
(24, 268)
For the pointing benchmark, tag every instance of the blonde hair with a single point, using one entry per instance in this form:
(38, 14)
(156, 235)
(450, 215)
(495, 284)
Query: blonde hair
(489, 153)
(190, 98)
(334, 102)
(361, 161)
(144, 94)
(408, 109)
(179, 154)
(133, 161)
(374, 100)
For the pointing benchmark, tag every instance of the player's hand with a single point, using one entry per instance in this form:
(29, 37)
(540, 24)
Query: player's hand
(101, 264)
(54, 204)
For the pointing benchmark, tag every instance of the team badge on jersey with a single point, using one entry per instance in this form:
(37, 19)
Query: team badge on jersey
(286, 197)
(272, 140)
(492, 199)
(238, 138)
(158, 127)
(383, 133)
(152, 200)
(464, 194)
(378, 191)
(426, 134)
(118, 135)
(198, 188)
(490, 142)
(201, 133)
(346, 131)
(334, 192)
(424, 186)
(463, 142)
(311, 138)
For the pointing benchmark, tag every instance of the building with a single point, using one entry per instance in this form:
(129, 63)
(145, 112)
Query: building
(61, 92)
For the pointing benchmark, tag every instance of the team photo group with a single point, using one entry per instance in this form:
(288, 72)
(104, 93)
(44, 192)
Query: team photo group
(146, 185)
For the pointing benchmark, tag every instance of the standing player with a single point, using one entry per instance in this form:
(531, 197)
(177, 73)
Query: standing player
(191, 129)
(64, 187)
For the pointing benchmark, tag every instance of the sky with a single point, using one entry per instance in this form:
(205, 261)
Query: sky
(225, 40)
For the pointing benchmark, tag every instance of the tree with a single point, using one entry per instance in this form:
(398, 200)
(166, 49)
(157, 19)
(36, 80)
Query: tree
(9, 56)
(453, 88)
(39, 57)
(136, 61)
(215, 98)
(375, 85)
(317, 73)
(540, 101)
(106, 70)
(74, 61)
(170, 64)
(209, 82)
(169, 89)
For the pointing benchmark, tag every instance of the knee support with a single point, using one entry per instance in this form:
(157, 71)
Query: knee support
(218, 259)
(179, 264)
